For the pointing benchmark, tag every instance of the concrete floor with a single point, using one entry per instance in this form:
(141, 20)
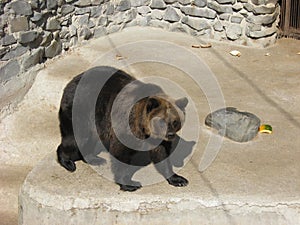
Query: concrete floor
(262, 175)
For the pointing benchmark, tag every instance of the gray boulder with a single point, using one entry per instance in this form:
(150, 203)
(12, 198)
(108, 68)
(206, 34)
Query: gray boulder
(20, 7)
(233, 124)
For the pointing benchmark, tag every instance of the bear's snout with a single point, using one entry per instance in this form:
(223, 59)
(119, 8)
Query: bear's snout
(170, 135)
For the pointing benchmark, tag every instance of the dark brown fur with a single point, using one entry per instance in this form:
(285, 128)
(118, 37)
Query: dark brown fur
(146, 119)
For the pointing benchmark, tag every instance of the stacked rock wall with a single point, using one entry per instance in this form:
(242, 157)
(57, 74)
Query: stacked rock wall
(31, 31)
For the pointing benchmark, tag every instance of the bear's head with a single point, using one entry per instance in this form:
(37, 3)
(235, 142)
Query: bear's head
(163, 117)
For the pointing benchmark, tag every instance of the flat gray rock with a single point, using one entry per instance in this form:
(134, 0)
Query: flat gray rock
(233, 124)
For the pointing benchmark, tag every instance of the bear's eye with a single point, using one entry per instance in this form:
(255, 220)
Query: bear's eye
(152, 104)
(175, 123)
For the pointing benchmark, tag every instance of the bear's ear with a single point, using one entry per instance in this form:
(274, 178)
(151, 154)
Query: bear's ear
(152, 104)
(181, 103)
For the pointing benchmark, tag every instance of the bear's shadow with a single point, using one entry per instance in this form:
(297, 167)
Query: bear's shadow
(179, 151)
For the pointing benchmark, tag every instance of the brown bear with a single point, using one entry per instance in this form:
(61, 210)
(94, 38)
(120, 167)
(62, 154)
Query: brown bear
(106, 109)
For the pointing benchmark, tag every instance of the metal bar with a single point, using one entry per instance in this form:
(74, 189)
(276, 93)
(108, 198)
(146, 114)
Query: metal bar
(298, 15)
(287, 17)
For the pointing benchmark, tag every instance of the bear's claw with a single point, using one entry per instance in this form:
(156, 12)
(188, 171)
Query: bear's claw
(177, 181)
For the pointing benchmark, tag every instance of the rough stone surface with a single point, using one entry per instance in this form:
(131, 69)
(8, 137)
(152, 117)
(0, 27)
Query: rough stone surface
(254, 27)
(184, 2)
(53, 49)
(226, 1)
(261, 9)
(178, 27)
(200, 3)
(225, 16)
(129, 15)
(96, 11)
(169, 1)
(97, 2)
(51, 4)
(33, 58)
(156, 14)
(143, 9)
(9, 70)
(20, 7)
(66, 9)
(103, 20)
(158, 4)
(36, 17)
(110, 9)
(200, 12)
(171, 15)
(27, 37)
(236, 125)
(159, 24)
(196, 23)
(3, 51)
(236, 19)
(113, 29)
(53, 24)
(18, 24)
(143, 21)
(34, 4)
(233, 31)
(83, 3)
(263, 19)
(46, 39)
(72, 31)
(82, 11)
(261, 33)
(8, 40)
(220, 8)
(124, 5)
(85, 33)
(65, 16)
(218, 26)
(137, 3)
(258, 2)
(99, 32)
(238, 6)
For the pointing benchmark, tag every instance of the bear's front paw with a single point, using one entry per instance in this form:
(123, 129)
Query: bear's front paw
(177, 181)
(67, 164)
(132, 187)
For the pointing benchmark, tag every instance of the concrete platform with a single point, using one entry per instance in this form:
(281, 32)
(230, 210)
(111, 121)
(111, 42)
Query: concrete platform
(50, 195)
(252, 183)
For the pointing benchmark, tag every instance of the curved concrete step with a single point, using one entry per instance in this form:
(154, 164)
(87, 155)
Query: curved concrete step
(51, 195)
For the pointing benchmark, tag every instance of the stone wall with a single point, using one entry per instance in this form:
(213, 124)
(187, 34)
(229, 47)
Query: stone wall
(32, 31)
